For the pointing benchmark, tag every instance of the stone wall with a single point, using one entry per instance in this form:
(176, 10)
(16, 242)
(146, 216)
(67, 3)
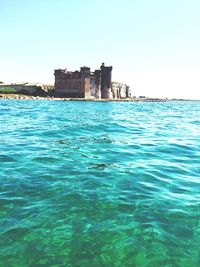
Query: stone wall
(120, 90)
(68, 84)
(97, 83)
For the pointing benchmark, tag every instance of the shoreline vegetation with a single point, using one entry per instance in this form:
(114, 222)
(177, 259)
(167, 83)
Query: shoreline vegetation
(135, 99)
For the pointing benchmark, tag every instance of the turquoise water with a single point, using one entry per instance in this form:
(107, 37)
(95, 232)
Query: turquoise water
(99, 184)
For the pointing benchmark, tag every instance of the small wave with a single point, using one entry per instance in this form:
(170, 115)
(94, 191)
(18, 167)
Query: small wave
(99, 184)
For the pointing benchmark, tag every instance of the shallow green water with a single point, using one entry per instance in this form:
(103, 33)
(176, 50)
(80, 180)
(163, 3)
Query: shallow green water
(99, 184)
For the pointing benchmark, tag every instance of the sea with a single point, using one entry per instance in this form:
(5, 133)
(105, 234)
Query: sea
(99, 184)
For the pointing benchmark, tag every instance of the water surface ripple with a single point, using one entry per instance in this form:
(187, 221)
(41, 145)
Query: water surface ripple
(99, 184)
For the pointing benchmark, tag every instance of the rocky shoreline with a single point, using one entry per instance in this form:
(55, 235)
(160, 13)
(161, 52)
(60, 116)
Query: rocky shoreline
(28, 97)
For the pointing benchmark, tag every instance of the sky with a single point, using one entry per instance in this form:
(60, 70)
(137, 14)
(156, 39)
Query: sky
(153, 45)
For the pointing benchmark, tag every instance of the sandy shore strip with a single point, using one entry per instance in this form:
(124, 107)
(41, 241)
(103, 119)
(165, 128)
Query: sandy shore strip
(27, 97)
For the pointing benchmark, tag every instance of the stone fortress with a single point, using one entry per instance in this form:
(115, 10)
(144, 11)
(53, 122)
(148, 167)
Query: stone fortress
(87, 84)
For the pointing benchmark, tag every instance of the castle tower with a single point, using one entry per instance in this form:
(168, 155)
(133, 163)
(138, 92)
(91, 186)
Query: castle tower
(60, 82)
(85, 81)
(106, 79)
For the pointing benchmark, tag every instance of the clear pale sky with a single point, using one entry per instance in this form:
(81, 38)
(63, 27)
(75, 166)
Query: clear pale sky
(153, 45)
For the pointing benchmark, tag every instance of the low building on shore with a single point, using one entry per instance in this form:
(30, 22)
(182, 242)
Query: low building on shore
(87, 84)
(29, 88)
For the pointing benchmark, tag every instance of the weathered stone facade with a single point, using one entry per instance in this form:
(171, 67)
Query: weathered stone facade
(87, 84)
(121, 90)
